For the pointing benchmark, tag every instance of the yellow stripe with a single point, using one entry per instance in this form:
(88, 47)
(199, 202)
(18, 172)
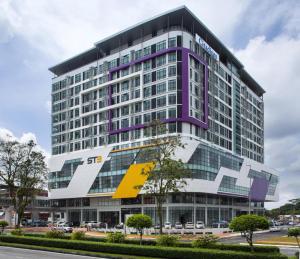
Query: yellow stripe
(131, 148)
(134, 177)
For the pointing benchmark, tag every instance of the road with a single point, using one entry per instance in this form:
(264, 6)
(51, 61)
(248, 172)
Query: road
(18, 253)
(262, 236)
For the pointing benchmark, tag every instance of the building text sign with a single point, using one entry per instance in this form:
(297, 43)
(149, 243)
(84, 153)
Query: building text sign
(206, 47)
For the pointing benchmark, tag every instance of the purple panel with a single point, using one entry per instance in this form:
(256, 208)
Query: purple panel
(259, 189)
(185, 89)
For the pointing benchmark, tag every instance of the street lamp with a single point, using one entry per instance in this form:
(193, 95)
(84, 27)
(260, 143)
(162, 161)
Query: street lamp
(249, 193)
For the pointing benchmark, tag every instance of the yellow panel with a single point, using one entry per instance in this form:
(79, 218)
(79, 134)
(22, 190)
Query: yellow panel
(133, 177)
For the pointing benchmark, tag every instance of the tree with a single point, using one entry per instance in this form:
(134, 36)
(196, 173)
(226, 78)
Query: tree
(23, 170)
(294, 203)
(3, 225)
(139, 222)
(294, 232)
(248, 224)
(168, 175)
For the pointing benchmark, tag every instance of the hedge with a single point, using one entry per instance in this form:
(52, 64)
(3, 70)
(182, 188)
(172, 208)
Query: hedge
(151, 251)
(219, 246)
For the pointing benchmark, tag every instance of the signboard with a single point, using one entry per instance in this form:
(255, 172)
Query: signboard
(94, 159)
(206, 47)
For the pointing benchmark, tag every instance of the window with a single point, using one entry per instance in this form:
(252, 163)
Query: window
(125, 72)
(161, 74)
(125, 86)
(124, 97)
(77, 89)
(147, 51)
(161, 88)
(125, 59)
(161, 60)
(172, 113)
(147, 117)
(147, 78)
(138, 54)
(172, 42)
(125, 123)
(172, 85)
(161, 45)
(77, 78)
(161, 115)
(172, 71)
(172, 57)
(125, 110)
(147, 91)
(172, 99)
(161, 101)
(147, 105)
(147, 65)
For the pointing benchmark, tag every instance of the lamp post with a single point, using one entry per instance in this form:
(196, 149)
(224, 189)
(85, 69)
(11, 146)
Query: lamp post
(249, 193)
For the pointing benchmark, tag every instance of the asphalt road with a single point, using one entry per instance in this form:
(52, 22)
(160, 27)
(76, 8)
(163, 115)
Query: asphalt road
(18, 253)
(262, 236)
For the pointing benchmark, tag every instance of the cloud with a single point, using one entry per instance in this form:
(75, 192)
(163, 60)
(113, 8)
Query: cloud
(7, 135)
(61, 29)
(265, 35)
(275, 65)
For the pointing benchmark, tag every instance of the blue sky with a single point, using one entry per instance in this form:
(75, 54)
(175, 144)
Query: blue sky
(264, 35)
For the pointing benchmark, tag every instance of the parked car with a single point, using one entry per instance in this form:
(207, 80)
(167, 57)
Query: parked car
(120, 226)
(220, 224)
(178, 225)
(39, 223)
(168, 225)
(65, 227)
(200, 225)
(189, 225)
(92, 224)
(157, 226)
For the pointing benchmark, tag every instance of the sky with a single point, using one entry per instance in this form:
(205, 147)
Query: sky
(263, 34)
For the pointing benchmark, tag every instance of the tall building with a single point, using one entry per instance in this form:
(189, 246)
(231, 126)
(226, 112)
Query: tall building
(171, 68)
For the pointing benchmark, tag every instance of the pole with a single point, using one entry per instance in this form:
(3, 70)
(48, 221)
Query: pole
(249, 197)
(249, 193)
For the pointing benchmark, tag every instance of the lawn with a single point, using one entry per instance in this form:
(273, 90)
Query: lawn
(283, 240)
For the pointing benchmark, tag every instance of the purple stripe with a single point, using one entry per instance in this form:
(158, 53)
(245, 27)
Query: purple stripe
(185, 89)
(259, 189)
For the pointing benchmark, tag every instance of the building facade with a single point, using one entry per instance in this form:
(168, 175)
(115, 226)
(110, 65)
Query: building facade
(173, 69)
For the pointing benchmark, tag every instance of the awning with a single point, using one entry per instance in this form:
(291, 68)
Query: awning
(136, 175)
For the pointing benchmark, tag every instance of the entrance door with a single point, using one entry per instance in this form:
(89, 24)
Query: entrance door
(111, 218)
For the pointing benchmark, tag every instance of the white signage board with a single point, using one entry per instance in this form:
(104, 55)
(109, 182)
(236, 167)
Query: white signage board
(206, 47)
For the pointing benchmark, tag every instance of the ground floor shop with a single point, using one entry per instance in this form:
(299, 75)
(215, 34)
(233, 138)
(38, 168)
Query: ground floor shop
(181, 207)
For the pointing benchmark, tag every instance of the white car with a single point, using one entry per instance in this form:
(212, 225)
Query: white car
(274, 229)
(168, 225)
(200, 225)
(178, 225)
(64, 227)
(189, 225)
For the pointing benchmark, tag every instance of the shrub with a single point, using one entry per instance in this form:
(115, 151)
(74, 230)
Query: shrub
(17, 232)
(116, 237)
(78, 235)
(218, 246)
(145, 251)
(55, 234)
(3, 225)
(205, 241)
(167, 240)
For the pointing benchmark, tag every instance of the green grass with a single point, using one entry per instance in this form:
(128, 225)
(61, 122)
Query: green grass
(75, 252)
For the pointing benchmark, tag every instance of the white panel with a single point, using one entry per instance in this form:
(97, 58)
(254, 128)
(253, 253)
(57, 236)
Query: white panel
(185, 153)
(83, 177)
